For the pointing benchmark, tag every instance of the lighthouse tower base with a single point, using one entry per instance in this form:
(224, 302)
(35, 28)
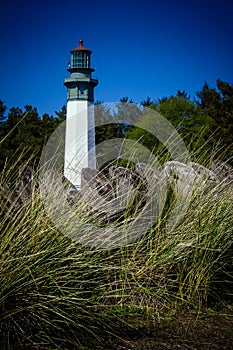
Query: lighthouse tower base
(79, 140)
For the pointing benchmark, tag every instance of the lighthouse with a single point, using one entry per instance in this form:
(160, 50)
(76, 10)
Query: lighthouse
(80, 122)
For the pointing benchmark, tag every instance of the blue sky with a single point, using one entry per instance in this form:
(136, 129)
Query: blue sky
(140, 48)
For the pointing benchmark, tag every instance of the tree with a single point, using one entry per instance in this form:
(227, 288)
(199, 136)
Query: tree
(125, 99)
(218, 106)
(61, 115)
(26, 131)
(3, 109)
(148, 102)
(177, 109)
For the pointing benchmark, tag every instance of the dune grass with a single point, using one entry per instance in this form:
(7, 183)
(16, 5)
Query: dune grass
(59, 294)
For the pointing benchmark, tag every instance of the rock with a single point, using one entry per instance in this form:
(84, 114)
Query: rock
(93, 181)
(97, 191)
(186, 177)
(222, 170)
(122, 189)
(72, 194)
(148, 171)
(111, 195)
(125, 182)
(205, 176)
(180, 176)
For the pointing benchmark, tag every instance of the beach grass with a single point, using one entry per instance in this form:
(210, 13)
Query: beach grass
(56, 293)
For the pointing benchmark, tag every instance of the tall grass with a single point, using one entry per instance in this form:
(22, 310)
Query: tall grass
(59, 294)
(49, 286)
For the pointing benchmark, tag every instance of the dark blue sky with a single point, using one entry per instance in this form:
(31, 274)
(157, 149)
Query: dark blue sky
(140, 48)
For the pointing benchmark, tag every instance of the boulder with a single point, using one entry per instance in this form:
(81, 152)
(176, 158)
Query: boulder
(222, 170)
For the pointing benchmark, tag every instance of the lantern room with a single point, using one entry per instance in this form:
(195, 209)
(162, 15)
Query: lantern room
(80, 85)
(80, 57)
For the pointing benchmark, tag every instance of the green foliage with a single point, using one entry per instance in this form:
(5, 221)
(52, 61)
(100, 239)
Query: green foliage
(217, 106)
(2, 111)
(176, 109)
(24, 131)
(203, 123)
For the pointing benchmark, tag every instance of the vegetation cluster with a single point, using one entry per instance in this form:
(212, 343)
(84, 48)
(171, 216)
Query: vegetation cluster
(206, 120)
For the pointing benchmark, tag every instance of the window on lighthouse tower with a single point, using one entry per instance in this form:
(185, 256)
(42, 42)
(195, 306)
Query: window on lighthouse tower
(80, 59)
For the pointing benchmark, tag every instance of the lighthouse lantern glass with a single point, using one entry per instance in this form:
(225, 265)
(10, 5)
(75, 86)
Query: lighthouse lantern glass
(80, 59)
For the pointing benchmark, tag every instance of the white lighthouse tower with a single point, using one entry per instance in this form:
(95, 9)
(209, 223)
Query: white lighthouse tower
(80, 133)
